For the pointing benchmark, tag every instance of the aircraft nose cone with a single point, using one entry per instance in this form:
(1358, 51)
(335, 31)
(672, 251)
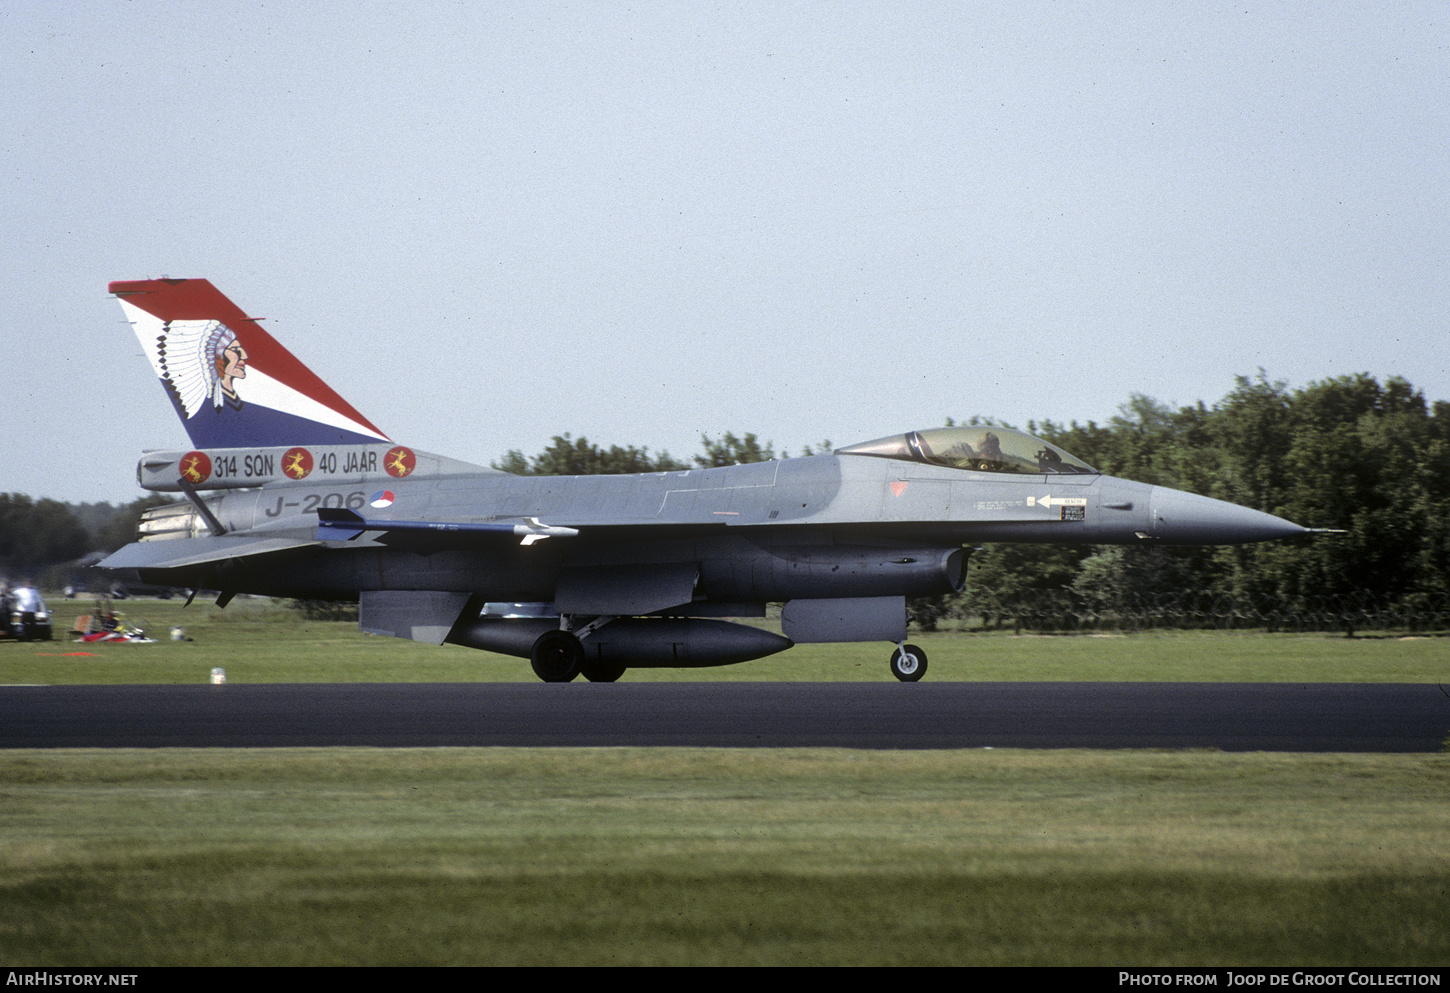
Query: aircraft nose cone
(1179, 518)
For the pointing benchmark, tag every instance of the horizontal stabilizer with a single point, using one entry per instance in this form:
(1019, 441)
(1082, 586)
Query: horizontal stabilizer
(176, 553)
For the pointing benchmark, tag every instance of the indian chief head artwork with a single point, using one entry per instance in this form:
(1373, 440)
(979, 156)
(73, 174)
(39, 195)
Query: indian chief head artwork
(201, 363)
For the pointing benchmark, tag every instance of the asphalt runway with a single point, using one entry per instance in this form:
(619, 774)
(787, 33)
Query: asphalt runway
(1323, 717)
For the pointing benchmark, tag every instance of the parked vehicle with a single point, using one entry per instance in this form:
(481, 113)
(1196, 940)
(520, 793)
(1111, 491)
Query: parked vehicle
(26, 615)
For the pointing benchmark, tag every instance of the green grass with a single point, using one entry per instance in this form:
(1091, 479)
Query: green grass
(696, 856)
(256, 641)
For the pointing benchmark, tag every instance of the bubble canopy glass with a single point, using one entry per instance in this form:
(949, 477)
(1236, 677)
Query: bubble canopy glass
(981, 448)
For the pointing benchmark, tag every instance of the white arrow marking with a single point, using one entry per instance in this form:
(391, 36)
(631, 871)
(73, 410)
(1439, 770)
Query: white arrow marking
(1052, 501)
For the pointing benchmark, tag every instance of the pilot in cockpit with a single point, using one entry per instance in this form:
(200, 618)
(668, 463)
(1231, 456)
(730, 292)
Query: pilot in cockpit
(990, 450)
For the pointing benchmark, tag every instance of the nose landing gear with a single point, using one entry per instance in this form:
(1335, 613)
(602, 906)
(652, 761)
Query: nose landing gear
(908, 663)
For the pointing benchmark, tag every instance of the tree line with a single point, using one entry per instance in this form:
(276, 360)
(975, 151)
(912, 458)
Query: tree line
(38, 538)
(568, 456)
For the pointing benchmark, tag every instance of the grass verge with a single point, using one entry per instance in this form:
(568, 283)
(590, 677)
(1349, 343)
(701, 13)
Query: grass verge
(697, 856)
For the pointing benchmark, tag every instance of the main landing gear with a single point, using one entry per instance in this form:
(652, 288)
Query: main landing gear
(559, 657)
(908, 663)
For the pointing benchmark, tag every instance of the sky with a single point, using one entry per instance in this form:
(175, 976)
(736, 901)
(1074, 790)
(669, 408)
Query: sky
(489, 223)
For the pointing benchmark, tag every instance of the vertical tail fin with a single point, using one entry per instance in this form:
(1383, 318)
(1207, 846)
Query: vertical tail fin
(232, 385)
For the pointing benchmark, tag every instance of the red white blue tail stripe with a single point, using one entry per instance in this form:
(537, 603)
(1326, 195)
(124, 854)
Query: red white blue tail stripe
(232, 384)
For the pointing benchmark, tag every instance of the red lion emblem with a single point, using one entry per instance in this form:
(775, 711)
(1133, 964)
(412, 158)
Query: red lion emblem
(195, 467)
(399, 461)
(297, 463)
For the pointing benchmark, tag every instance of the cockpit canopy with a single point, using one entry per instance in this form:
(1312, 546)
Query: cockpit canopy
(984, 449)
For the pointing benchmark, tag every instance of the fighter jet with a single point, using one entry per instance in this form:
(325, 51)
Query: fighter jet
(289, 491)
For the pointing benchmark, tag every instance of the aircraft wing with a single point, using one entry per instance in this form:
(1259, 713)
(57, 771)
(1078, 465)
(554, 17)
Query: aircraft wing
(176, 553)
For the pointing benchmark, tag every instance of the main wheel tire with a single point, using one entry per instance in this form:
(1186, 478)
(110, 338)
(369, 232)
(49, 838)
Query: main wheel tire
(908, 663)
(556, 656)
(602, 672)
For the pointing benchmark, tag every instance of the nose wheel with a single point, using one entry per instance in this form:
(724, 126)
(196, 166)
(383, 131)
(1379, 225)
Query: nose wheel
(908, 663)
